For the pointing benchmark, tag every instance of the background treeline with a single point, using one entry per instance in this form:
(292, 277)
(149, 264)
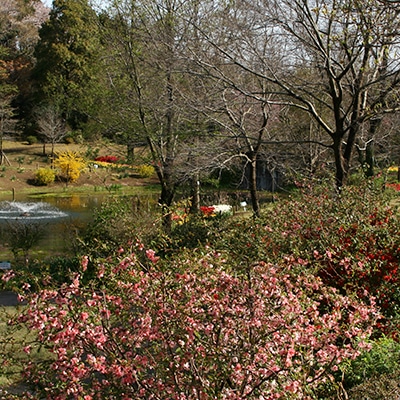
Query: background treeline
(293, 88)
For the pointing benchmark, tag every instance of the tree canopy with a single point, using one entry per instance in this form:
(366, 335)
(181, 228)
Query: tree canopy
(205, 84)
(67, 59)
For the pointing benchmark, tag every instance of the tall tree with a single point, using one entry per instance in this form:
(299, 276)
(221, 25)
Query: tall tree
(7, 114)
(19, 24)
(348, 47)
(146, 73)
(67, 55)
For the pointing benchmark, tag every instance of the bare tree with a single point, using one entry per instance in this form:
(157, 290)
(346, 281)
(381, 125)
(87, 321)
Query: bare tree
(147, 77)
(51, 127)
(335, 60)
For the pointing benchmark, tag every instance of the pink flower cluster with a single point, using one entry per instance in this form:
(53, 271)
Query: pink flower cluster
(199, 332)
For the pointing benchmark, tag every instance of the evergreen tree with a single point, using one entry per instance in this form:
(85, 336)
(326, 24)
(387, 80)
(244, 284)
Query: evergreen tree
(66, 60)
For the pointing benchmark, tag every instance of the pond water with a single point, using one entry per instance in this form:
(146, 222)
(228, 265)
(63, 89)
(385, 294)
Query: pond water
(54, 219)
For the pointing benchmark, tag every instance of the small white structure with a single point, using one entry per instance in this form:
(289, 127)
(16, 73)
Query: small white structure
(244, 205)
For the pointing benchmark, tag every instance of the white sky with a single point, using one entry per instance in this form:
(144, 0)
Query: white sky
(47, 3)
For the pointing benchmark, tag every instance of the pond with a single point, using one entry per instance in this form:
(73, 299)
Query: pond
(53, 219)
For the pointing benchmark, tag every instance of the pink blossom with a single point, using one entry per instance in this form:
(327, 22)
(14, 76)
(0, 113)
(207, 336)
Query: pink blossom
(150, 254)
(8, 275)
(183, 331)
(85, 261)
(84, 316)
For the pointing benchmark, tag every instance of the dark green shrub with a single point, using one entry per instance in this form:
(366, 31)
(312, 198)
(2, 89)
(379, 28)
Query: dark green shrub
(32, 140)
(60, 268)
(382, 359)
(119, 222)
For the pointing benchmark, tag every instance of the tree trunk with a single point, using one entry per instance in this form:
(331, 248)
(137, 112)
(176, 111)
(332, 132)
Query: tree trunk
(130, 153)
(253, 186)
(195, 195)
(370, 160)
(340, 165)
(166, 198)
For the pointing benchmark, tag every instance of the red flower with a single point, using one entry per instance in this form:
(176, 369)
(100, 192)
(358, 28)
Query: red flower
(207, 210)
(107, 159)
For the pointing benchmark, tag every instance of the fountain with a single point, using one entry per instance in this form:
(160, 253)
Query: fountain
(29, 212)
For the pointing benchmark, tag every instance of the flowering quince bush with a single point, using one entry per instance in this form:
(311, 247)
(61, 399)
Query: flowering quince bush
(351, 241)
(207, 211)
(192, 329)
(394, 186)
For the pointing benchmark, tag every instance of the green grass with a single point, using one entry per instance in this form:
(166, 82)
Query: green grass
(13, 339)
(82, 190)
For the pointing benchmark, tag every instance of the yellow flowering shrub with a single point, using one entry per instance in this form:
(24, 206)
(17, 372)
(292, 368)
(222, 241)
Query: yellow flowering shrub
(44, 176)
(145, 171)
(71, 164)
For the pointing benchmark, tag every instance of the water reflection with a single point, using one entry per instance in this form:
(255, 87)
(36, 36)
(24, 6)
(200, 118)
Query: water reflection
(59, 233)
(59, 217)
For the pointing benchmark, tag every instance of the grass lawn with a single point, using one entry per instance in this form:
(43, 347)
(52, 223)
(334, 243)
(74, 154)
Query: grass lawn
(13, 339)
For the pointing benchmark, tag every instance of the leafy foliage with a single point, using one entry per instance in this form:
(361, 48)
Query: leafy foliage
(117, 223)
(66, 54)
(32, 139)
(382, 359)
(351, 241)
(226, 308)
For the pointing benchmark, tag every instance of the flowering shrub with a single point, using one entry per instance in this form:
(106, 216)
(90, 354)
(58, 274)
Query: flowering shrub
(45, 176)
(222, 209)
(207, 211)
(194, 330)
(146, 171)
(394, 186)
(71, 164)
(219, 209)
(107, 159)
(352, 242)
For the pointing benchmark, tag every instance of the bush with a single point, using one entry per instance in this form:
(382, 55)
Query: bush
(351, 241)
(192, 328)
(145, 171)
(32, 140)
(116, 223)
(44, 176)
(69, 140)
(71, 164)
(382, 359)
